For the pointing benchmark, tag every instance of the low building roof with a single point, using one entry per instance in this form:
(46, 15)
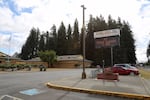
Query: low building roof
(7, 57)
(3, 54)
(69, 57)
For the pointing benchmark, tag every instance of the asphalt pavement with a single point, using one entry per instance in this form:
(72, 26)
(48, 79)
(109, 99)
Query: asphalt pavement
(32, 86)
(134, 86)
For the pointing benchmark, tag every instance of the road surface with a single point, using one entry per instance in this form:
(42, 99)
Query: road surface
(31, 86)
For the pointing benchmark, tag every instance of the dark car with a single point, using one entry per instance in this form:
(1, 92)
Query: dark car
(125, 69)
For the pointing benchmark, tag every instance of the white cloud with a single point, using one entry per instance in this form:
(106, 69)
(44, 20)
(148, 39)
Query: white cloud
(6, 19)
(31, 3)
(1, 1)
(45, 13)
(2, 39)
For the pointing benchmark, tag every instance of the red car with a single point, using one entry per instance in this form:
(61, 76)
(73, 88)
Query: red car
(125, 69)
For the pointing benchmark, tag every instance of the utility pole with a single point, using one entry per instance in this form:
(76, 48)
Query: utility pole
(9, 46)
(83, 73)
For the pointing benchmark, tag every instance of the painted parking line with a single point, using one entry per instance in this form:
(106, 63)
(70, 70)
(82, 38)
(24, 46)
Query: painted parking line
(8, 97)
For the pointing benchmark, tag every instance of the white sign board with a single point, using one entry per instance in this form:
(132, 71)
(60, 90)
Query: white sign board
(107, 33)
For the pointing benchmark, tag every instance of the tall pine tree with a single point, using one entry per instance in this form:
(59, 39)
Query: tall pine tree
(30, 48)
(123, 54)
(76, 43)
(89, 44)
(148, 52)
(61, 40)
(69, 43)
(54, 38)
(42, 43)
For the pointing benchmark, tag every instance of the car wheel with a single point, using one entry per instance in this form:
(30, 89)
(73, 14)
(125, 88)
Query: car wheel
(132, 73)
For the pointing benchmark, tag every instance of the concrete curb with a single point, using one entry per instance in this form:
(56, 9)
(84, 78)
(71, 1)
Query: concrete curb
(90, 91)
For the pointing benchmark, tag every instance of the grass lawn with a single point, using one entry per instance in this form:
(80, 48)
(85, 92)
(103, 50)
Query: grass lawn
(145, 73)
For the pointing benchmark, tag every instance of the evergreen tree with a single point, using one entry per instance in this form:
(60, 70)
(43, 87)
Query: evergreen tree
(61, 40)
(30, 48)
(104, 53)
(90, 44)
(24, 52)
(118, 51)
(47, 44)
(54, 38)
(111, 23)
(42, 43)
(148, 52)
(123, 54)
(127, 44)
(76, 45)
(100, 24)
(94, 25)
(69, 44)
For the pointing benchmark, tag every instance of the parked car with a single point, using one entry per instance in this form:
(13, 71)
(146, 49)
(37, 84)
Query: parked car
(125, 69)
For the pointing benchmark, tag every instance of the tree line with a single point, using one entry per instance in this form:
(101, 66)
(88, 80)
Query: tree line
(68, 41)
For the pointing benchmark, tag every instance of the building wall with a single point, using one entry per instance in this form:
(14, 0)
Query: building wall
(36, 63)
(71, 64)
(18, 61)
(58, 64)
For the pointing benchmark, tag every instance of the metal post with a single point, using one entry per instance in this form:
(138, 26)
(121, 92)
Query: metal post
(9, 46)
(103, 62)
(112, 56)
(83, 73)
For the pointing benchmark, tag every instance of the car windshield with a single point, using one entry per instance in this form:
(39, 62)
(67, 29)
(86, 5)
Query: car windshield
(124, 68)
(123, 65)
(127, 65)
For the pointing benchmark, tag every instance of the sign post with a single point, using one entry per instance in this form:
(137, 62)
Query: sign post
(107, 38)
(112, 60)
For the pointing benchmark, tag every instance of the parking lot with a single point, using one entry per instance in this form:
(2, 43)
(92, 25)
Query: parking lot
(31, 85)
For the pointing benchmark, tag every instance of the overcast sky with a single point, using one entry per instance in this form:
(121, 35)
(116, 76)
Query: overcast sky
(17, 17)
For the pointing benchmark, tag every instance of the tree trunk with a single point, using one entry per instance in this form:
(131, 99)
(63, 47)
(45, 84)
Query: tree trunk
(51, 64)
(48, 64)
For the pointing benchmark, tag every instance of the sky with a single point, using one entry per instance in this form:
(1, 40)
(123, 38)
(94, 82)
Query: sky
(17, 17)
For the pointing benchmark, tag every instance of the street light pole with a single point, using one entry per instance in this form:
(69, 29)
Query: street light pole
(9, 46)
(83, 73)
